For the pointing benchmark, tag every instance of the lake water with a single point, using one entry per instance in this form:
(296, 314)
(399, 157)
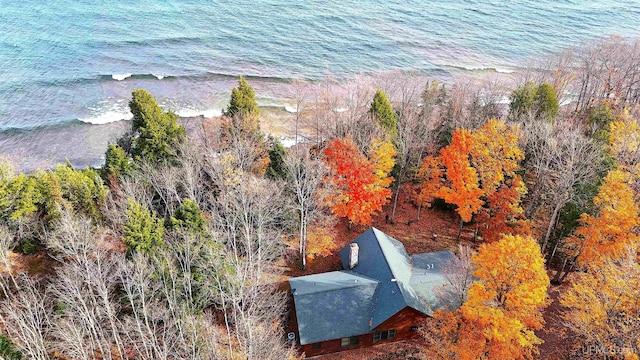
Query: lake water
(67, 67)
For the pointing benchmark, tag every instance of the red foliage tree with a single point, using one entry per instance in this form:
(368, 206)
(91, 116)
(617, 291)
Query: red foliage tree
(360, 184)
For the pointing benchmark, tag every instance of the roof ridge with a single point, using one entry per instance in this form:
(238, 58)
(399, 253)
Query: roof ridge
(385, 255)
(349, 286)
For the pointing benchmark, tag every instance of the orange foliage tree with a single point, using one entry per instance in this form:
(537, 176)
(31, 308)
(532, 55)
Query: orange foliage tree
(477, 173)
(503, 307)
(360, 183)
(462, 187)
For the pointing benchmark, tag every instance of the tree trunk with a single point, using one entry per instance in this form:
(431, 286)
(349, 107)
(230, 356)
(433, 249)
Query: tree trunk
(550, 227)
(460, 230)
(395, 202)
(556, 278)
(303, 241)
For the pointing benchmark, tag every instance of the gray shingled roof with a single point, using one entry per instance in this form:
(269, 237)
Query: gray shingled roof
(354, 302)
(427, 279)
(332, 305)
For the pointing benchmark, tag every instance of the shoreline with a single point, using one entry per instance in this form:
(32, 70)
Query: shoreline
(83, 142)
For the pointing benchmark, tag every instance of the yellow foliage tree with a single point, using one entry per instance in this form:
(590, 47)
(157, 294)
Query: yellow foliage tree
(608, 233)
(495, 154)
(382, 155)
(603, 307)
(503, 307)
(624, 140)
(320, 242)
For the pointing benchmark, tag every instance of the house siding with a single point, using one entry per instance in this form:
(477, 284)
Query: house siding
(401, 322)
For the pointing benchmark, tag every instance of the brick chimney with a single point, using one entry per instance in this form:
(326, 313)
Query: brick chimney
(353, 255)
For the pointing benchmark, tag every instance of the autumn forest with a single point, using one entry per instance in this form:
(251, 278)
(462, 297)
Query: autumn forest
(179, 246)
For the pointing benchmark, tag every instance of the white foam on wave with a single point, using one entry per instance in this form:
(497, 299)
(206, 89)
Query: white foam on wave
(504, 100)
(108, 117)
(120, 77)
(340, 109)
(291, 141)
(159, 77)
(504, 71)
(209, 113)
(290, 109)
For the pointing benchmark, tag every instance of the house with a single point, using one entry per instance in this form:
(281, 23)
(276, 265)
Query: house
(381, 295)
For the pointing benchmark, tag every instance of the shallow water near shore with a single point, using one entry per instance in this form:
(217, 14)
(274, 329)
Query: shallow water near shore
(68, 67)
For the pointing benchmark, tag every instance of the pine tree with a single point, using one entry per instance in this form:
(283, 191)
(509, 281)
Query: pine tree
(188, 216)
(382, 111)
(116, 162)
(546, 102)
(143, 231)
(243, 100)
(156, 134)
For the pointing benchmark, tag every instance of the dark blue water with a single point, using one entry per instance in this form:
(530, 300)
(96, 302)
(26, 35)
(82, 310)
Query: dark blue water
(68, 62)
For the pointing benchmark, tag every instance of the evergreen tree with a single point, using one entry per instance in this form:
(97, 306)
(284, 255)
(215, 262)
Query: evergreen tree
(531, 100)
(382, 111)
(276, 169)
(116, 162)
(546, 102)
(599, 119)
(243, 100)
(143, 230)
(156, 134)
(8, 349)
(522, 100)
(189, 217)
(82, 189)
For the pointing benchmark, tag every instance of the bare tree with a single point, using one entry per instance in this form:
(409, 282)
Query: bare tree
(305, 177)
(301, 92)
(7, 242)
(84, 290)
(560, 161)
(459, 276)
(26, 320)
(416, 132)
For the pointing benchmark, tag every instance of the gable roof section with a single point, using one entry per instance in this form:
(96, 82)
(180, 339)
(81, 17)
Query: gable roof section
(385, 258)
(428, 281)
(332, 305)
(354, 302)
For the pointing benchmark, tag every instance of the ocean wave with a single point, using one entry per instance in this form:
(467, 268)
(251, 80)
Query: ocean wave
(157, 42)
(502, 70)
(120, 77)
(288, 142)
(290, 109)
(190, 113)
(87, 80)
(30, 129)
(134, 76)
(108, 117)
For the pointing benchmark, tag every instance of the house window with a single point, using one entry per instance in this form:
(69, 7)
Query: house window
(415, 328)
(349, 341)
(316, 345)
(384, 335)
